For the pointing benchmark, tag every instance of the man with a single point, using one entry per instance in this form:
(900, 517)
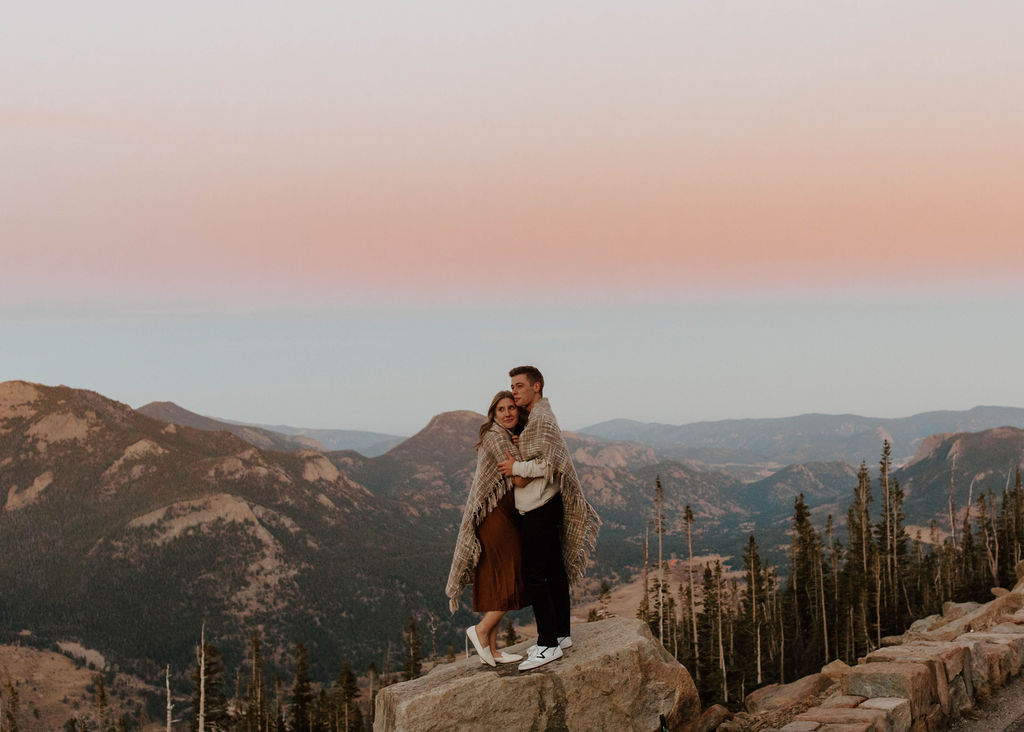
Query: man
(559, 528)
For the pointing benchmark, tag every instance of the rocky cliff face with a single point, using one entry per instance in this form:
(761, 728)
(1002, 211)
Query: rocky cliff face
(616, 676)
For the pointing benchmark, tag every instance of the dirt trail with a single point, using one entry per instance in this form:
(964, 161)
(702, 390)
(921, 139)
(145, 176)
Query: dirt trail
(1004, 712)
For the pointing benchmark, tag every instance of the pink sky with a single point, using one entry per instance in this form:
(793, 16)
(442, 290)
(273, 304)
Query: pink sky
(393, 153)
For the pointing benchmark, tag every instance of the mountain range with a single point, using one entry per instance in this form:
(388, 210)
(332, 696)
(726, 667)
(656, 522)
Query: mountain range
(278, 437)
(123, 530)
(806, 438)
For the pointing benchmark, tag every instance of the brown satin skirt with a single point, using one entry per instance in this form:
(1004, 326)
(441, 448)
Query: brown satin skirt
(498, 584)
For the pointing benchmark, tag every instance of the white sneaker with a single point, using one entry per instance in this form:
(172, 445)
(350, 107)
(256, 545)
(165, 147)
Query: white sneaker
(540, 656)
(563, 642)
(482, 650)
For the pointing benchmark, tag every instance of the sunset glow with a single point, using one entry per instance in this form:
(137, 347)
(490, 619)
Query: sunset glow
(400, 153)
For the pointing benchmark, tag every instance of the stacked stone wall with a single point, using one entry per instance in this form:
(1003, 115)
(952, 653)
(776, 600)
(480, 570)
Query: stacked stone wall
(918, 682)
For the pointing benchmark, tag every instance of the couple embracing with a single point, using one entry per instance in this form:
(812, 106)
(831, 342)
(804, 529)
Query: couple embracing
(526, 532)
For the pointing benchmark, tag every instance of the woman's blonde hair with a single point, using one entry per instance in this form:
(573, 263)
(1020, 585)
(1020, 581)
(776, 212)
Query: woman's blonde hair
(491, 410)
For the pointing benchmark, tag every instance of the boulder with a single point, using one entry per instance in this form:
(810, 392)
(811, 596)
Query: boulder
(1011, 625)
(980, 618)
(956, 657)
(712, 717)
(835, 670)
(774, 697)
(906, 680)
(959, 698)
(925, 624)
(954, 610)
(996, 660)
(616, 676)
(897, 712)
(843, 701)
(873, 718)
(917, 654)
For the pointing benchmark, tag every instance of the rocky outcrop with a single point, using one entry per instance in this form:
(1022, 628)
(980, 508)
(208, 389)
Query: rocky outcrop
(932, 674)
(616, 676)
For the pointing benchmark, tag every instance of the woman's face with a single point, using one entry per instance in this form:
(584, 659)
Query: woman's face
(506, 413)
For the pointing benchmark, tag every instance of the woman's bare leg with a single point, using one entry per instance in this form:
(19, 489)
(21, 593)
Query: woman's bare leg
(487, 628)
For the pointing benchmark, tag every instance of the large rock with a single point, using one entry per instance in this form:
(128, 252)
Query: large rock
(1012, 640)
(616, 676)
(775, 697)
(897, 712)
(713, 717)
(978, 618)
(917, 654)
(863, 717)
(906, 680)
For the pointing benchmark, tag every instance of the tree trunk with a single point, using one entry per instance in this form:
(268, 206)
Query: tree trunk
(167, 681)
(202, 679)
(824, 616)
(693, 601)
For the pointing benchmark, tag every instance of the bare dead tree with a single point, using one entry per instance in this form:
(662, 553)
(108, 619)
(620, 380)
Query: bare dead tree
(432, 624)
(824, 615)
(201, 657)
(721, 647)
(952, 504)
(659, 498)
(170, 706)
(693, 604)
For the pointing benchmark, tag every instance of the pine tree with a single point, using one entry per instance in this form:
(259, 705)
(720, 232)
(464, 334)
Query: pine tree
(805, 592)
(710, 675)
(888, 537)
(256, 717)
(604, 597)
(99, 702)
(858, 568)
(413, 659)
(346, 692)
(372, 673)
(659, 520)
(752, 616)
(302, 692)
(510, 637)
(688, 516)
(643, 612)
(208, 690)
(11, 702)
(277, 714)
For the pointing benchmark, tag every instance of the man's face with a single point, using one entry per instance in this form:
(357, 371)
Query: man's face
(525, 393)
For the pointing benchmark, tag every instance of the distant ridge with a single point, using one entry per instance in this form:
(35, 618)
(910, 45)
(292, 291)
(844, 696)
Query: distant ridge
(370, 444)
(810, 437)
(267, 439)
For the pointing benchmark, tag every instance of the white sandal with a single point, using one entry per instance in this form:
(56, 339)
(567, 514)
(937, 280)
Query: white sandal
(507, 657)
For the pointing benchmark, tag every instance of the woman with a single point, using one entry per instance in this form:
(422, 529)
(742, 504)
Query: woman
(487, 551)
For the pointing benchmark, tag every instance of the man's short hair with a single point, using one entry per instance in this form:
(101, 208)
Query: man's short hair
(532, 374)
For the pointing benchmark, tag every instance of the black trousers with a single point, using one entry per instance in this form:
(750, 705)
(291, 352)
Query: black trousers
(544, 571)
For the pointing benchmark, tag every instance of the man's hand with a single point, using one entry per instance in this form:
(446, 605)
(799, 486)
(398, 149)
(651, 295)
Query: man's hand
(505, 466)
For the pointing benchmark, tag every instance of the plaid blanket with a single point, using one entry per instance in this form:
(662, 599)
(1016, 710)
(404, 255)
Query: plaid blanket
(488, 487)
(542, 440)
